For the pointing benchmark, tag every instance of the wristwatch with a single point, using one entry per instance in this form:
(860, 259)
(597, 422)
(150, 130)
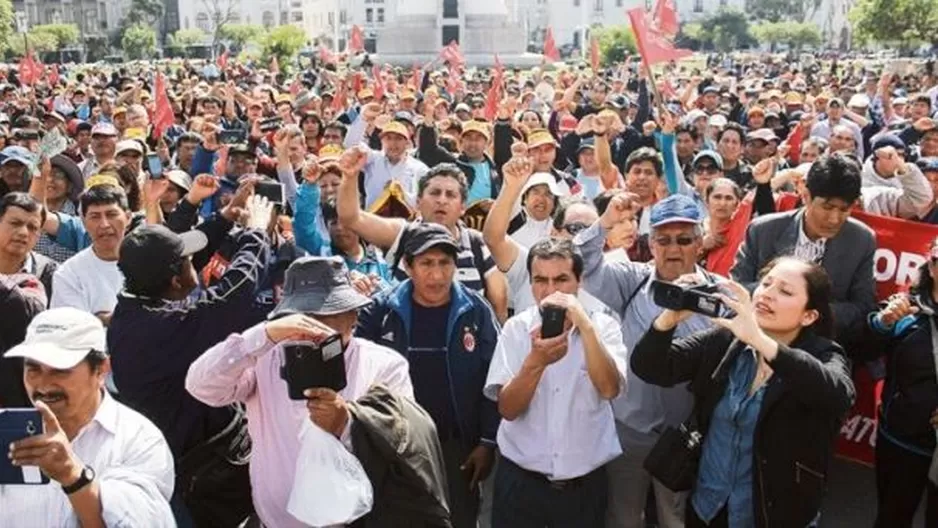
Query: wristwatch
(87, 476)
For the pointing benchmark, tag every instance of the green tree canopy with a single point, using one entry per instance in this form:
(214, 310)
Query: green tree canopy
(284, 42)
(144, 12)
(779, 10)
(726, 30)
(795, 34)
(186, 37)
(903, 22)
(139, 42)
(6, 24)
(615, 42)
(64, 34)
(240, 35)
(38, 42)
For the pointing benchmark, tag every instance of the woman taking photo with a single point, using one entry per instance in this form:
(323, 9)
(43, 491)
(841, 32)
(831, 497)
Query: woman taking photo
(905, 444)
(770, 390)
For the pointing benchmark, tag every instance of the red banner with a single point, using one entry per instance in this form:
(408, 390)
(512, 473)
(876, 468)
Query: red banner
(551, 53)
(900, 248)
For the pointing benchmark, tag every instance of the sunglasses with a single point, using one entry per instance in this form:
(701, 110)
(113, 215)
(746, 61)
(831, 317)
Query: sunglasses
(575, 227)
(706, 169)
(682, 241)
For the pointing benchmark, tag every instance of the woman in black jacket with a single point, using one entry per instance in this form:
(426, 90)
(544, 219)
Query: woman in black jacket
(770, 391)
(905, 443)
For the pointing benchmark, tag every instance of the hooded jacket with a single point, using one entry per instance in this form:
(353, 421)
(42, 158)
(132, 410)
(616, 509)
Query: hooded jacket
(907, 195)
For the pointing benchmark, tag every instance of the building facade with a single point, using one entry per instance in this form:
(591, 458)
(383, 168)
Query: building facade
(93, 17)
(201, 14)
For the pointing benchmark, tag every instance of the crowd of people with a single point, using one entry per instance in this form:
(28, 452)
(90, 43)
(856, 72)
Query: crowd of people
(155, 279)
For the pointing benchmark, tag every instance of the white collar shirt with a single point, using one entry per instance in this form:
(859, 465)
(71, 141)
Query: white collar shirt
(568, 429)
(133, 469)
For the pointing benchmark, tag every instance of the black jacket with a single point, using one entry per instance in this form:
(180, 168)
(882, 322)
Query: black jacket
(432, 154)
(396, 442)
(18, 307)
(802, 409)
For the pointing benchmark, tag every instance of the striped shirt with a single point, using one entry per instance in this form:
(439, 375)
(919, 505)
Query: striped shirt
(469, 270)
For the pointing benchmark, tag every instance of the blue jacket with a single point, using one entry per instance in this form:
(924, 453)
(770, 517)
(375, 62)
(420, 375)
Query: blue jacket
(387, 322)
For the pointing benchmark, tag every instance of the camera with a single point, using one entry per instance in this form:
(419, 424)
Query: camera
(698, 298)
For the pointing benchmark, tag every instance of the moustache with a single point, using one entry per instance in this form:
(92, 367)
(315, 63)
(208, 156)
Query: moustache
(42, 396)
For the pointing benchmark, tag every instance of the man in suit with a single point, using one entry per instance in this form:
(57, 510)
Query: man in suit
(822, 232)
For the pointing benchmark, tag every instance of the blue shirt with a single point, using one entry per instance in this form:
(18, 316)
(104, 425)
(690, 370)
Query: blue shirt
(482, 183)
(591, 184)
(725, 476)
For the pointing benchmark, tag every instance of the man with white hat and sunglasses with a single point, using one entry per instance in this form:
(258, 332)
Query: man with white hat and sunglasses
(109, 466)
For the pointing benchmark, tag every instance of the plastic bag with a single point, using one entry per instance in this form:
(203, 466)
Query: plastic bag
(330, 486)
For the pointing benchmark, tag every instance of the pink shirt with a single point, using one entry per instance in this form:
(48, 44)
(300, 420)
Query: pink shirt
(246, 368)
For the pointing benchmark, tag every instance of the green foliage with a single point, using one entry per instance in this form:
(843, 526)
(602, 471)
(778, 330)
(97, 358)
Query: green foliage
(186, 37)
(64, 34)
(240, 35)
(779, 10)
(284, 42)
(615, 42)
(795, 34)
(38, 42)
(725, 30)
(146, 12)
(903, 22)
(139, 42)
(7, 26)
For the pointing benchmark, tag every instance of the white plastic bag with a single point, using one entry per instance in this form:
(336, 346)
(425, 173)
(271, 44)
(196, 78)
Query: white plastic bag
(330, 486)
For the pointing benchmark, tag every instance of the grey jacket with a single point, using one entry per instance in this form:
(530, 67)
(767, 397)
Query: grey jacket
(905, 196)
(848, 259)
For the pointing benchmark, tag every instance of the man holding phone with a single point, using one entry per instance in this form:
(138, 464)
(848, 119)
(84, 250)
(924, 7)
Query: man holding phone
(263, 368)
(111, 466)
(555, 370)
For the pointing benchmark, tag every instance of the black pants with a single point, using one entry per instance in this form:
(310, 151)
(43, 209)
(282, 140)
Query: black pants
(694, 521)
(526, 500)
(463, 502)
(901, 478)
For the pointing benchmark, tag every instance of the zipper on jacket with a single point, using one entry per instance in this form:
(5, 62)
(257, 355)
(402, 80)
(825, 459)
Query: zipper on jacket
(765, 510)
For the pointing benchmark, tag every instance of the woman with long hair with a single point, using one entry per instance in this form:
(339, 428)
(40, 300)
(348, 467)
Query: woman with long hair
(770, 390)
(905, 331)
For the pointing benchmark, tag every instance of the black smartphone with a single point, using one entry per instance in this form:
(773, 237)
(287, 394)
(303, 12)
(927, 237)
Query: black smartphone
(15, 425)
(552, 318)
(232, 137)
(154, 166)
(271, 190)
(310, 366)
(270, 124)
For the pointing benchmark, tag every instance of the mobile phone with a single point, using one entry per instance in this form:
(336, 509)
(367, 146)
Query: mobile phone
(310, 366)
(271, 190)
(154, 166)
(270, 124)
(552, 318)
(232, 137)
(15, 425)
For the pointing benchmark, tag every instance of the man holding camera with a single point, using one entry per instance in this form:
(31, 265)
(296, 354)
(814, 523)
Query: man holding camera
(555, 368)
(644, 410)
(319, 301)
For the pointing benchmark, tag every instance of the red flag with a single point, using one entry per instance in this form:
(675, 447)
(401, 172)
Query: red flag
(379, 82)
(499, 69)
(356, 83)
(453, 55)
(455, 83)
(551, 53)
(54, 75)
(340, 99)
(28, 69)
(653, 46)
(326, 56)
(665, 18)
(494, 95)
(223, 60)
(594, 54)
(163, 116)
(356, 42)
(274, 65)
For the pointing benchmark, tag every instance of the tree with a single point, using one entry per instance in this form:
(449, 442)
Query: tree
(284, 42)
(903, 22)
(779, 10)
(221, 13)
(38, 43)
(795, 34)
(146, 12)
(726, 30)
(65, 35)
(186, 37)
(139, 42)
(240, 35)
(615, 42)
(6, 23)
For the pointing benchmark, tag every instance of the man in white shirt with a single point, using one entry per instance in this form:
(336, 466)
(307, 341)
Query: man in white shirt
(558, 431)
(103, 147)
(90, 281)
(392, 163)
(109, 465)
(538, 201)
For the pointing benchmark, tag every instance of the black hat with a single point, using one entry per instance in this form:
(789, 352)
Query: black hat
(318, 286)
(242, 148)
(149, 255)
(424, 236)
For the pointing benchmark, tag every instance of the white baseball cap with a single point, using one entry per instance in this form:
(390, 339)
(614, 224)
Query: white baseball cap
(542, 178)
(61, 338)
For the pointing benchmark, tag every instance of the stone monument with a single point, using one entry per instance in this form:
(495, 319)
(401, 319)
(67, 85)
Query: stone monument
(481, 27)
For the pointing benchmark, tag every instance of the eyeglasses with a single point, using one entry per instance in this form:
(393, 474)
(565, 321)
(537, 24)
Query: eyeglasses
(575, 227)
(706, 169)
(682, 241)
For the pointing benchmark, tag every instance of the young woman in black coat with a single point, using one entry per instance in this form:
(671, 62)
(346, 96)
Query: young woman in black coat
(771, 389)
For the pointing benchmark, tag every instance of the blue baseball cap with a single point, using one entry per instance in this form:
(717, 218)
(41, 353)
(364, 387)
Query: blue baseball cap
(677, 208)
(929, 164)
(888, 140)
(17, 154)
